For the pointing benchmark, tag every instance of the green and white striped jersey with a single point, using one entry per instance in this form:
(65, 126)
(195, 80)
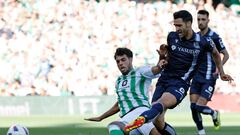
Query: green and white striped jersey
(132, 89)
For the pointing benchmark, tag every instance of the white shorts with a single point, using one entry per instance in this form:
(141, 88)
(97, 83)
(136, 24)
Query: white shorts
(132, 115)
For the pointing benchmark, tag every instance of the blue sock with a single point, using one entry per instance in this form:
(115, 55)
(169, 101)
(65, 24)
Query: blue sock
(204, 109)
(167, 130)
(153, 112)
(197, 118)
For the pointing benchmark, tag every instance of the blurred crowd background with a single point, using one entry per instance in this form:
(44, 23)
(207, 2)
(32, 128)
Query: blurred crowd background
(66, 47)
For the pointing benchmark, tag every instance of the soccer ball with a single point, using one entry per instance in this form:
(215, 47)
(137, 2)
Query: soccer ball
(17, 130)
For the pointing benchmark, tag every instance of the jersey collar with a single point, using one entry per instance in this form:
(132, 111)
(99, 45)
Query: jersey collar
(195, 37)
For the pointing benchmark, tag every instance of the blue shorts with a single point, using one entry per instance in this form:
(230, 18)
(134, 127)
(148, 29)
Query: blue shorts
(176, 87)
(204, 88)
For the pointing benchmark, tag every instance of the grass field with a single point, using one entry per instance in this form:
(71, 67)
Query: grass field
(75, 125)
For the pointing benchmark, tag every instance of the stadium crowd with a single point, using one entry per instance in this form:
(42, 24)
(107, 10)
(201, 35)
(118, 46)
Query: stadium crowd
(66, 47)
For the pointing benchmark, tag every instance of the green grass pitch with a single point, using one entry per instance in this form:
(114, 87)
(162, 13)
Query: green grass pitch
(75, 125)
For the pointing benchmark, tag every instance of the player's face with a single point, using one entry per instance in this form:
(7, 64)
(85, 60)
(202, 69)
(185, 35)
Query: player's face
(181, 27)
(202, 21)
(124, 64)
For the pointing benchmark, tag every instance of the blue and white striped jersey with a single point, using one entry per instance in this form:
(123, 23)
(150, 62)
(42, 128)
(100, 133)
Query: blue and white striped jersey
(132, 89)
(208, 66)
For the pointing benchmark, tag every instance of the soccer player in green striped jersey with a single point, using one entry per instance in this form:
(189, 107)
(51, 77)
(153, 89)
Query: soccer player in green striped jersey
(132, 94)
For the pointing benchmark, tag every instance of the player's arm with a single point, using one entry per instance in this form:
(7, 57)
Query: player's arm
(158, 68)
(218, 62)
(113, 110)
(162, 60)
(225, 56)
(221, 48)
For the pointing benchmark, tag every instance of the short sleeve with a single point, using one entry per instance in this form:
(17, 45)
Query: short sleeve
(146, 71)
(209, 44)
(169, 37)
(219, 43)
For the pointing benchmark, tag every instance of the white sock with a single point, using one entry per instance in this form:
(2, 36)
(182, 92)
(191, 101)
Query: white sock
(201, 132)
(113, 127)
(214, 115)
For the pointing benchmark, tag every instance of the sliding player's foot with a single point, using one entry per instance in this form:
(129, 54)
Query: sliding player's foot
(135, 124)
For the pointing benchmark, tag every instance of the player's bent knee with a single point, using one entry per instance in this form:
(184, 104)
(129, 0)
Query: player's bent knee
(168, 100)
(202, 101)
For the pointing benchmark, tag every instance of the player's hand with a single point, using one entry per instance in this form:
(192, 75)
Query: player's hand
(97, 119)
(162, 63)
(163, 48)
(226, 77)
(216, 73)
(162, 51)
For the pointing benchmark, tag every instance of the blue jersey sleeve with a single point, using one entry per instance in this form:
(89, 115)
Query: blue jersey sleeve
(171, 36)
(168, 38)
(218, 42)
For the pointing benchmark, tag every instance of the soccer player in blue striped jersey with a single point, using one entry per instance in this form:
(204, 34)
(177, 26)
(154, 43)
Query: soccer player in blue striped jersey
(132, 94)
(185, 48)
(203, 82)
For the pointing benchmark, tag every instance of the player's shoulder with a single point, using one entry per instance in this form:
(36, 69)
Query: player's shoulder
(142, 68)
(172, 34)
(212, 34)
(119, 78)
(203, 38)
(206, 41)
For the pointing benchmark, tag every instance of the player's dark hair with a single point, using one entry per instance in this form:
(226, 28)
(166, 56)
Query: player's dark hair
(184, 15)
(121, 51)
(203, 12)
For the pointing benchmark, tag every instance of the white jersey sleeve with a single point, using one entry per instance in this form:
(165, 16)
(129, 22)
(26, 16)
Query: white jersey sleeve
(146, 71)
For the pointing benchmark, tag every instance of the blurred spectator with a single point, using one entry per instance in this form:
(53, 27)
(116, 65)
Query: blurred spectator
(64, 48)
(33, 92)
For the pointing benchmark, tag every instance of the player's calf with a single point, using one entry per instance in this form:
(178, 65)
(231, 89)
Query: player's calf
(216, 119)
(167, 130)
(115, 128)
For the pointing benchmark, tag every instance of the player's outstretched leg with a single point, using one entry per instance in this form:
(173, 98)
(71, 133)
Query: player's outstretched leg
(197, 118)
(145, 117)
(214, 113)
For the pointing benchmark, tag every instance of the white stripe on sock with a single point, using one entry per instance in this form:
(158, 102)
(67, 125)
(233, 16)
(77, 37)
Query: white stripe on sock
(113, 127)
